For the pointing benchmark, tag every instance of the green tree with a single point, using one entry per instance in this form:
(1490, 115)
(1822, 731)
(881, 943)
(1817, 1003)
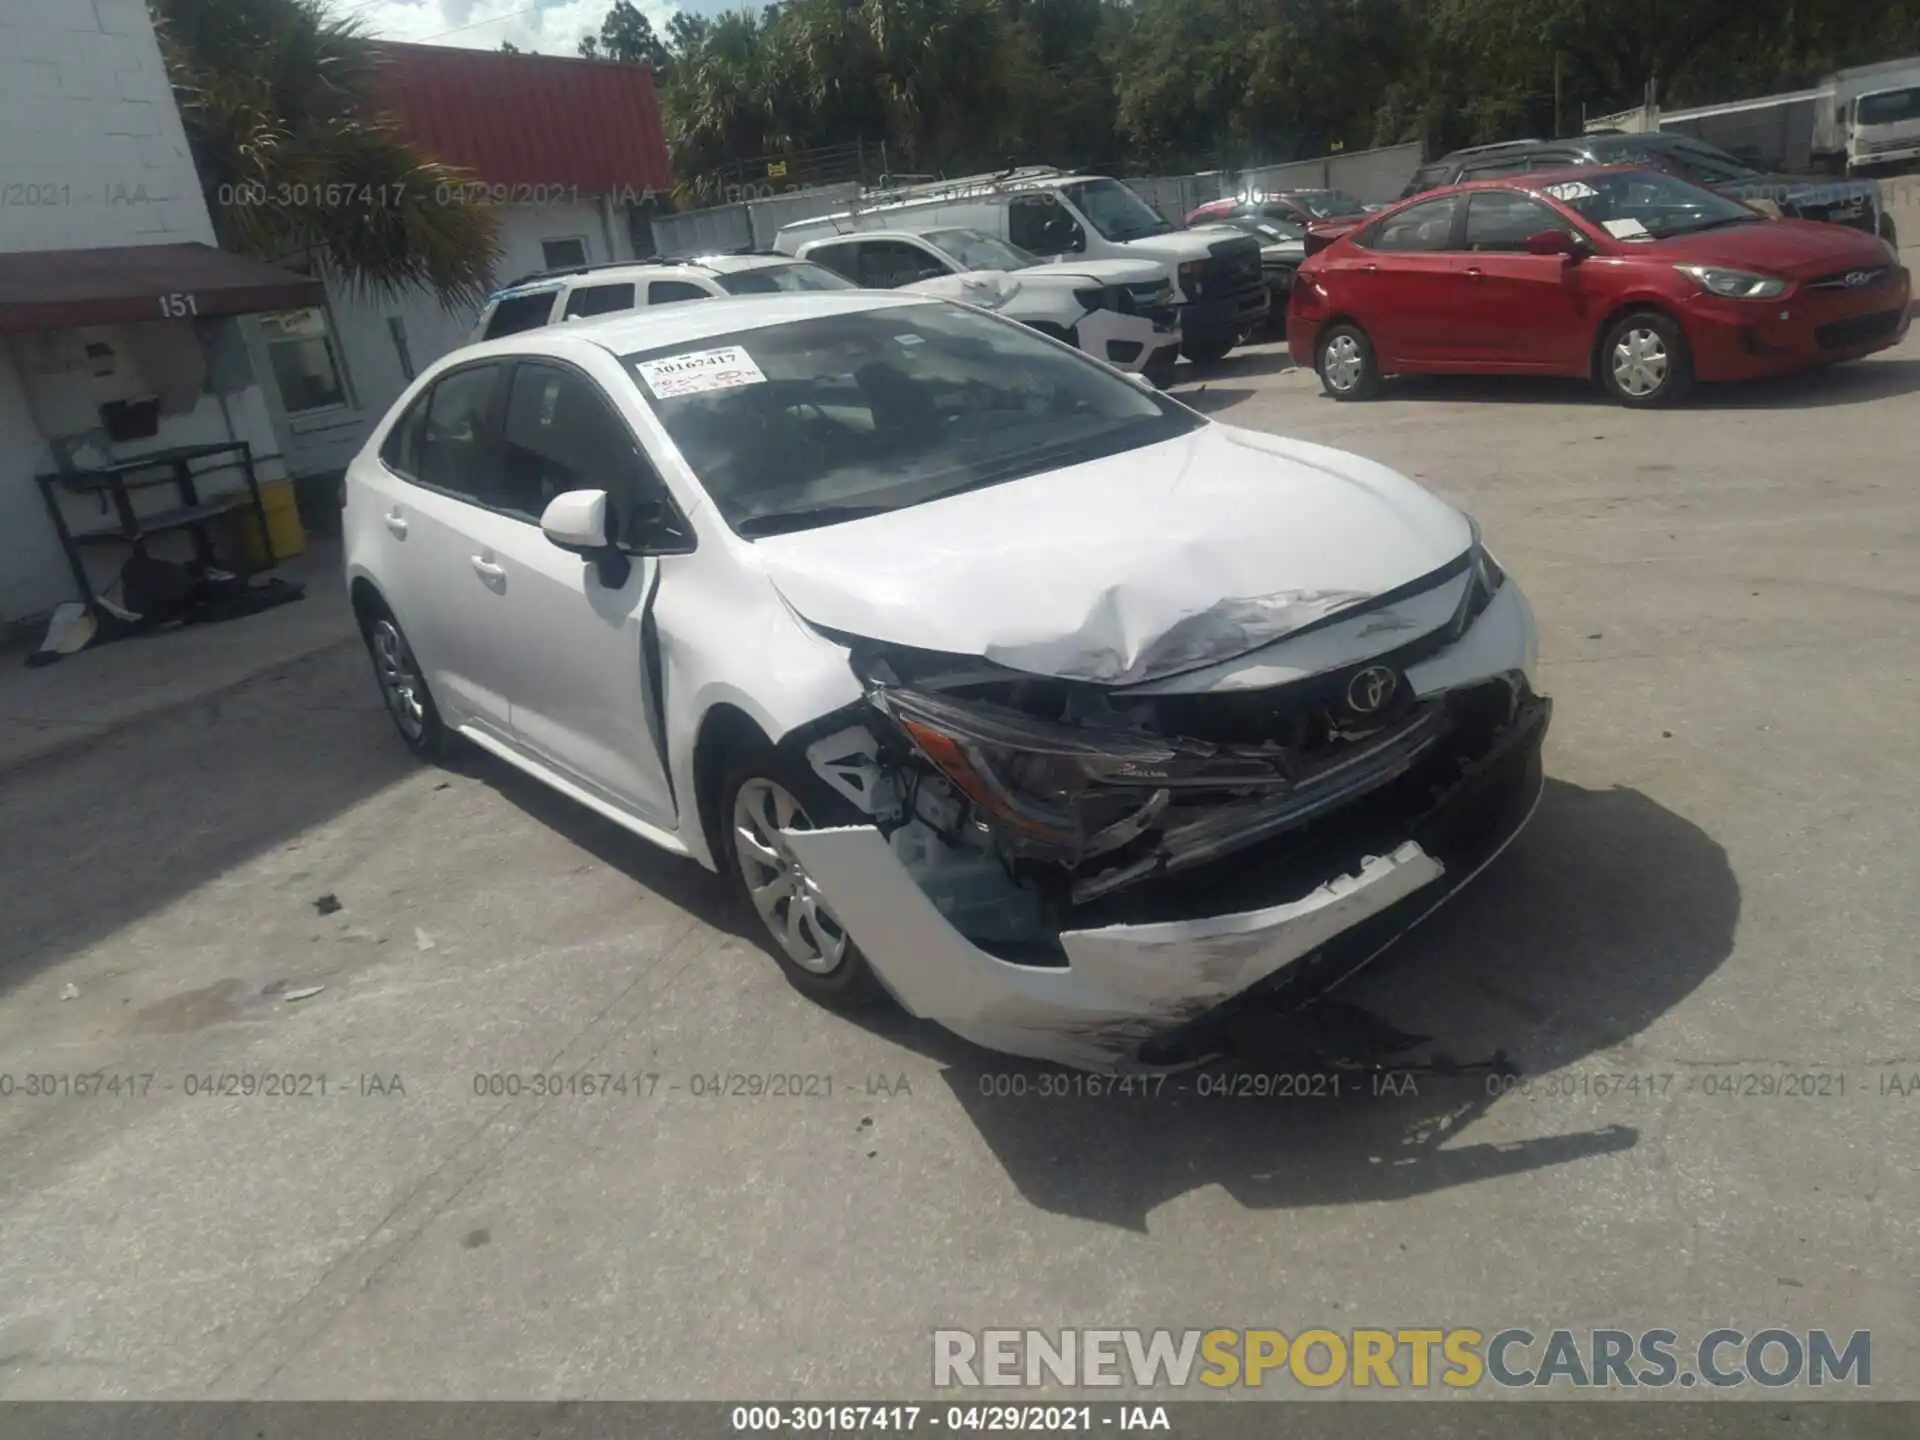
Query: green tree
(297, 160)
(627, 35)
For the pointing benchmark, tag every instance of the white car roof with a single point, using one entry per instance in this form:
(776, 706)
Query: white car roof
(627, 332)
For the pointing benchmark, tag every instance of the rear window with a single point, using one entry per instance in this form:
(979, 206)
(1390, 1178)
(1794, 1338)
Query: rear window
(516, 313)
(776, 279)
(599, 300)
(1890, 107)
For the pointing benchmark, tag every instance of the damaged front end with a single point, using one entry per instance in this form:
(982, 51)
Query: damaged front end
(1097, 868)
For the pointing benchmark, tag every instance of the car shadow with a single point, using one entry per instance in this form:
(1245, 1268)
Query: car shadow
(1607, 913)
(674, 878)
(1853, 382)
(1261, 357)
(1211, 399)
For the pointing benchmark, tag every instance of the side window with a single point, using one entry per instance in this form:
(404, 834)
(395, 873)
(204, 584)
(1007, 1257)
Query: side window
(1503, 219)
(562, 433)
(1040, 223)
(1426, 226)
(841, 259)
(885, 264)
(401, 449)
(666, 292)
(598, 300)
(520, 312)
(455, 450)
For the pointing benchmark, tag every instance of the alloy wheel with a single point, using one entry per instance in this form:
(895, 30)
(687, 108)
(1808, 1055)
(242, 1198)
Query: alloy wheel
(1344, 364)
(786, 897)
(1640, 362)
(399, 676)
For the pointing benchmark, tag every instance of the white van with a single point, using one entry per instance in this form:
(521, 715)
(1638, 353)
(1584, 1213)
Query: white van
(1215, 270)
(1119, 311)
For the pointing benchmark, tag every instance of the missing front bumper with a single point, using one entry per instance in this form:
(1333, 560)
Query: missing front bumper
(1129, 989)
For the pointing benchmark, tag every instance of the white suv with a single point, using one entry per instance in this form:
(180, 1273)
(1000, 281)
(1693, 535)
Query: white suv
(1119, 311)
(988, 677)
(553, 297)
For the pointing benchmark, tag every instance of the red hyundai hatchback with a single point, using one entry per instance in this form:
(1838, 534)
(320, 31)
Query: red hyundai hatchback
(1635, 278)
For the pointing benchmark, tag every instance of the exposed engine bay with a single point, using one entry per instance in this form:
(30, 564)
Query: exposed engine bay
(1025, 805)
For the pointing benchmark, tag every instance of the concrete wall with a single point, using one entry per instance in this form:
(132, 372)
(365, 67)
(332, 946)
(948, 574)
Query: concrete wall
(1370, 175)
(92, 154)
(719, 229)
(89, 131)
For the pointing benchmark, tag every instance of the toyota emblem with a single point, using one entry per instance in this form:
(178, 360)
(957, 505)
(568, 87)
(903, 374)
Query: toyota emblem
(1370, 690)
(1857, 278)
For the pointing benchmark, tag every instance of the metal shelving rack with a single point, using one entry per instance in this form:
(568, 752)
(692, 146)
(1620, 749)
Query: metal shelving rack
(118, 482)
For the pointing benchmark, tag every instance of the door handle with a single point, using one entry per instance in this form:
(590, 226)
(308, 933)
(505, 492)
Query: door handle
(486, 569)
(1474, 272)
(397, 523)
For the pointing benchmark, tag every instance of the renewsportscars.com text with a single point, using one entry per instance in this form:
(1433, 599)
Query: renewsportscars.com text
(1364, 1358)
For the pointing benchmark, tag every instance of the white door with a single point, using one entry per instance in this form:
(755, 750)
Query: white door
(450, 596)
(584, 687)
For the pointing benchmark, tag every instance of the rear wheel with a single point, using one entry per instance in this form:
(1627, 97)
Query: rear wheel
(1159, 370)
(1888, 231)
(404, 688)
(1644, 361)
(1344, 358)
(762, 795)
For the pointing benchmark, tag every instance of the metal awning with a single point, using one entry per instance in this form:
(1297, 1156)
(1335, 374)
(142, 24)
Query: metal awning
(126, 284)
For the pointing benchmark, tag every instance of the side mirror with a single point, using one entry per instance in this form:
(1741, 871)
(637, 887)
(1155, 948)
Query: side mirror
(577, 521)
(1554, 242)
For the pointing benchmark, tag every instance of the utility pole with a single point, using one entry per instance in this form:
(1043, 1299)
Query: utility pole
(1557, 130)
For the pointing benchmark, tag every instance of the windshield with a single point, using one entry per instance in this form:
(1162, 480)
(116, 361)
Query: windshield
(977, 250)
(772, 279)
(1115, 211)
(1325, 204)
(1889, 107)
(815, 421)
(1649, 204)
(1693, 159)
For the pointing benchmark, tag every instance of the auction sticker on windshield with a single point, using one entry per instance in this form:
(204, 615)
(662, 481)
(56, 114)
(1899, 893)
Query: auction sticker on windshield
(1572, 190)
(699, 371)
(1627, 230)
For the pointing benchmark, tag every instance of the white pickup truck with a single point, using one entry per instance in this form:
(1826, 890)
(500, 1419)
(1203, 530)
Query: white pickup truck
(1219, 291)
(1119, 311)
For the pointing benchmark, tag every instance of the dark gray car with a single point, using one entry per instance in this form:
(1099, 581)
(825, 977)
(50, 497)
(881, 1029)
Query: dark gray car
(1855, 202)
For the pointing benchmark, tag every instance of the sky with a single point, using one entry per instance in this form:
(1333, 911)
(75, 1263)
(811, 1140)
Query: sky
(553, 27)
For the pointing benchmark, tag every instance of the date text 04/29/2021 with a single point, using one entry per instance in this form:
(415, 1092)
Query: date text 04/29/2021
(869, 1419)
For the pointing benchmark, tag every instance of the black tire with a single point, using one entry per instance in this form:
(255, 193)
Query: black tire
(1208, 352)
(1658, 346)
(409, 703)
(1889, 232)
(1340, 348)
(1159, 370)
(850, 983)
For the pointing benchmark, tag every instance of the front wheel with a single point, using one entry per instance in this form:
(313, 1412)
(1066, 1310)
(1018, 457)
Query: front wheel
(1645, 362)
(1344, 359)
(762, 795)
(1889, 232)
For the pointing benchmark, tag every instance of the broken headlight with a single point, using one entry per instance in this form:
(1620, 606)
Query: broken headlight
(1026, 775)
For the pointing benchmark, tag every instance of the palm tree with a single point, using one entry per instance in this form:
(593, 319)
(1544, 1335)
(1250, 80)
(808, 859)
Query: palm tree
(298, 162)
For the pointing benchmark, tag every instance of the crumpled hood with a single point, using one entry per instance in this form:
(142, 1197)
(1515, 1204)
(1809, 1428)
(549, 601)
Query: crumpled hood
(1177, 245)
(1130, 568)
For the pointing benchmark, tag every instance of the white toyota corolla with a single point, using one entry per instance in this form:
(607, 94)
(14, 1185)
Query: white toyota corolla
(989, 677)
